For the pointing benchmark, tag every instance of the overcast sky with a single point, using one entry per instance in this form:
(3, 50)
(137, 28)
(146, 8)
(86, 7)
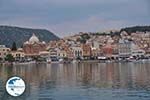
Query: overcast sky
(71, 16)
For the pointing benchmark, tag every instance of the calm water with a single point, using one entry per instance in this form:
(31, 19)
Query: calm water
(83, 81)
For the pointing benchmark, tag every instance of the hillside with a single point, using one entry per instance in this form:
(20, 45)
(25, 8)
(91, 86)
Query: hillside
(9, 34)
(136, 28)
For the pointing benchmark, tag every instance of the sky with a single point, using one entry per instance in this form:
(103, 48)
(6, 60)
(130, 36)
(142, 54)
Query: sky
(66, 17)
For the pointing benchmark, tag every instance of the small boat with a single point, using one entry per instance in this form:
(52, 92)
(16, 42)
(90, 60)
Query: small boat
(53, 60)
(74, 61)
(102, 58)
(61, 60)
(48, 60)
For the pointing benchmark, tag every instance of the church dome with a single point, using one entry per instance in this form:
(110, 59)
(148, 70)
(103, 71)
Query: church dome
(34, 39)
(27, 42)
(43, 42)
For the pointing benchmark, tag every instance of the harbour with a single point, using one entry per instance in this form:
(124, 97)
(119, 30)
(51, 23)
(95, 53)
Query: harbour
(80, 81)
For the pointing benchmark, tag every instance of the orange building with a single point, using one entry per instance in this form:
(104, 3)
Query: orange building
(107, 50)
(33, 47)
(86, 50)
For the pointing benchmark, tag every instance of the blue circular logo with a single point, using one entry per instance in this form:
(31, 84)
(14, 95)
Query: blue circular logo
(15, 86)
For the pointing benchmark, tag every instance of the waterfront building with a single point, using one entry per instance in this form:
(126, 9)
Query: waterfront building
(77, 52)
(53, 52)
(124, 48)
(44, 54)
(96, 53)
(129, 48)
(4, 51)
(70, 53)
(115, 51)
(136, 51)
(19, 54)
(107, 50)
(86, 51)
(62, 53)
(33, 46)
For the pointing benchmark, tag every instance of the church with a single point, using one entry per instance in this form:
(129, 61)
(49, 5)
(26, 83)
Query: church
(33, 47)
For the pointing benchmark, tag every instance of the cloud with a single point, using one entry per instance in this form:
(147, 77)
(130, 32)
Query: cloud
(66, 2)
(70, 16)
(91, 24)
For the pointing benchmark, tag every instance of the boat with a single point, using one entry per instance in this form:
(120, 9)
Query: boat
(61, 60)
(53, 60)
(48, 60)
(74, 61)
(102, 58)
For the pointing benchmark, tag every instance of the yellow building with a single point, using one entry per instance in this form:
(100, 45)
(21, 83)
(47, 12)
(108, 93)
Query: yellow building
(18, 54)
(62, 54)
(4, 51)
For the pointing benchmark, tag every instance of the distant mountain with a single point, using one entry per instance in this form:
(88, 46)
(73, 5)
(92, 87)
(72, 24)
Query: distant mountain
(9, 34)
(136, 28)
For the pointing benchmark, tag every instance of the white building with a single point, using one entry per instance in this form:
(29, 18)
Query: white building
(77, 52)
(96, 44)
(128, 48)
(136, 51)
(125, 48)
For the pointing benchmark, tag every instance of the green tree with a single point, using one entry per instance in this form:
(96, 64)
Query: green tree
(83, 41)
(85, 36)
(14, 47)
(9, 58)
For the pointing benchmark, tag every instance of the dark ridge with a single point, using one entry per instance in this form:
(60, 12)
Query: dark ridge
(136, 28)
(10, 34)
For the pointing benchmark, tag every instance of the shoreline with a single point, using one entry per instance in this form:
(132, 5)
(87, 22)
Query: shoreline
(82, 61)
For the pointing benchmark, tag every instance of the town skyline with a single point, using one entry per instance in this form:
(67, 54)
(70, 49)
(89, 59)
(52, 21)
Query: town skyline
(83, 46)
(67, 17)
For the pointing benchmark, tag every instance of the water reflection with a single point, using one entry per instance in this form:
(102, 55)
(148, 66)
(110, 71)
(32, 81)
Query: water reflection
(82, 81)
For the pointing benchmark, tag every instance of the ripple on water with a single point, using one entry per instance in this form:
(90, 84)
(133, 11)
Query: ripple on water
(84, 81)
